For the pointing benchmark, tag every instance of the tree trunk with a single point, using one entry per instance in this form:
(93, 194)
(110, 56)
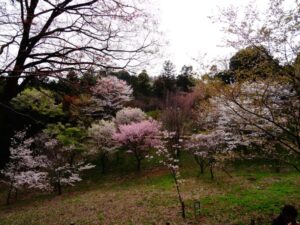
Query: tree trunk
(16, 194)
(5, 136)
(201, 167)
(9, 194)
(179, 196)
(103, 166)
(138, 164)
(7, 116)
(58, 187)
(211, 171)
(58, 184)
(201, 164)
(138, 158)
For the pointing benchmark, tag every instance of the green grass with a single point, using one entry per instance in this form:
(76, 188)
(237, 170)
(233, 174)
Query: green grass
(126, 197)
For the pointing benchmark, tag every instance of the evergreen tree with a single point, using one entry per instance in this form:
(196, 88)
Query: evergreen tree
(184, 81)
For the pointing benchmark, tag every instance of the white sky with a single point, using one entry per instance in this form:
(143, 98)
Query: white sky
(190, 32)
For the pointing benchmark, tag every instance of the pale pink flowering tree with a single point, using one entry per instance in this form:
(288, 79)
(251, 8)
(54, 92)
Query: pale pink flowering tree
(208, 148)
(129, 115)
(109, 95)
(167, 150)
(263, 114)
(24, 170)
(63, 164)
(101, 140)
(138, 138)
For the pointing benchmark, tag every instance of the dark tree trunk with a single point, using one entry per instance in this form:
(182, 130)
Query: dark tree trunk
(138, 164)
(58, 188)
(202, 165)
(7, 117)
(58, 184)
(16, 194)
(7, 131)
(103, 165)
(9, 194)
(183, 210)
(211, 171)
(138, 158)
(179, 196)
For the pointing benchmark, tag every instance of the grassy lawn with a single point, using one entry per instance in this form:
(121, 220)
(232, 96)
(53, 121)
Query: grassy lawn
(149, 198)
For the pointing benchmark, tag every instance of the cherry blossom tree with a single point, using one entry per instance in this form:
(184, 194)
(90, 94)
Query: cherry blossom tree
(62, 166)
(264, 114)
(129, 115)
(24, 170)
(207, 148)
(199, 154)
(102, 142)
(167, 149)
(138, 138)
(178, 114)
(108, 96)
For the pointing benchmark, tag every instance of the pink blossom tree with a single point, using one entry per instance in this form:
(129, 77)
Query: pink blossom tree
(138, 138)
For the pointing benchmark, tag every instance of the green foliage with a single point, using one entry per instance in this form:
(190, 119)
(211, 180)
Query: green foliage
(184, 80)
(166, 82)
(154, 114)
(74, 83)
(250, 63)
(143, 85)
(38, 101)
(68, 135)
(227, 76)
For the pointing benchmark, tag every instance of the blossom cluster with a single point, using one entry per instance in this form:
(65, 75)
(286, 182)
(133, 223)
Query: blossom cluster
(141, 134)
(42, 165)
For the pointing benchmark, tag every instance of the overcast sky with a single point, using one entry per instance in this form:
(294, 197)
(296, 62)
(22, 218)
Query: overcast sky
(190, 32)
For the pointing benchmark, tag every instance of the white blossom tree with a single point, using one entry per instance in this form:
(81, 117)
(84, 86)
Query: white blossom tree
(108, 96)
(62, 166)
(129, 115)
(167, 149)
(102, 143)
(264, 114)
(208, 148)
(25, 170)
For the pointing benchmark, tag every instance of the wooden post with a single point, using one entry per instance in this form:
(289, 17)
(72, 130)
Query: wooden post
(197, 209)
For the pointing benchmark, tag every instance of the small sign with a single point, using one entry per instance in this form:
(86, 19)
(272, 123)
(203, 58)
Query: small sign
(197, 208)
